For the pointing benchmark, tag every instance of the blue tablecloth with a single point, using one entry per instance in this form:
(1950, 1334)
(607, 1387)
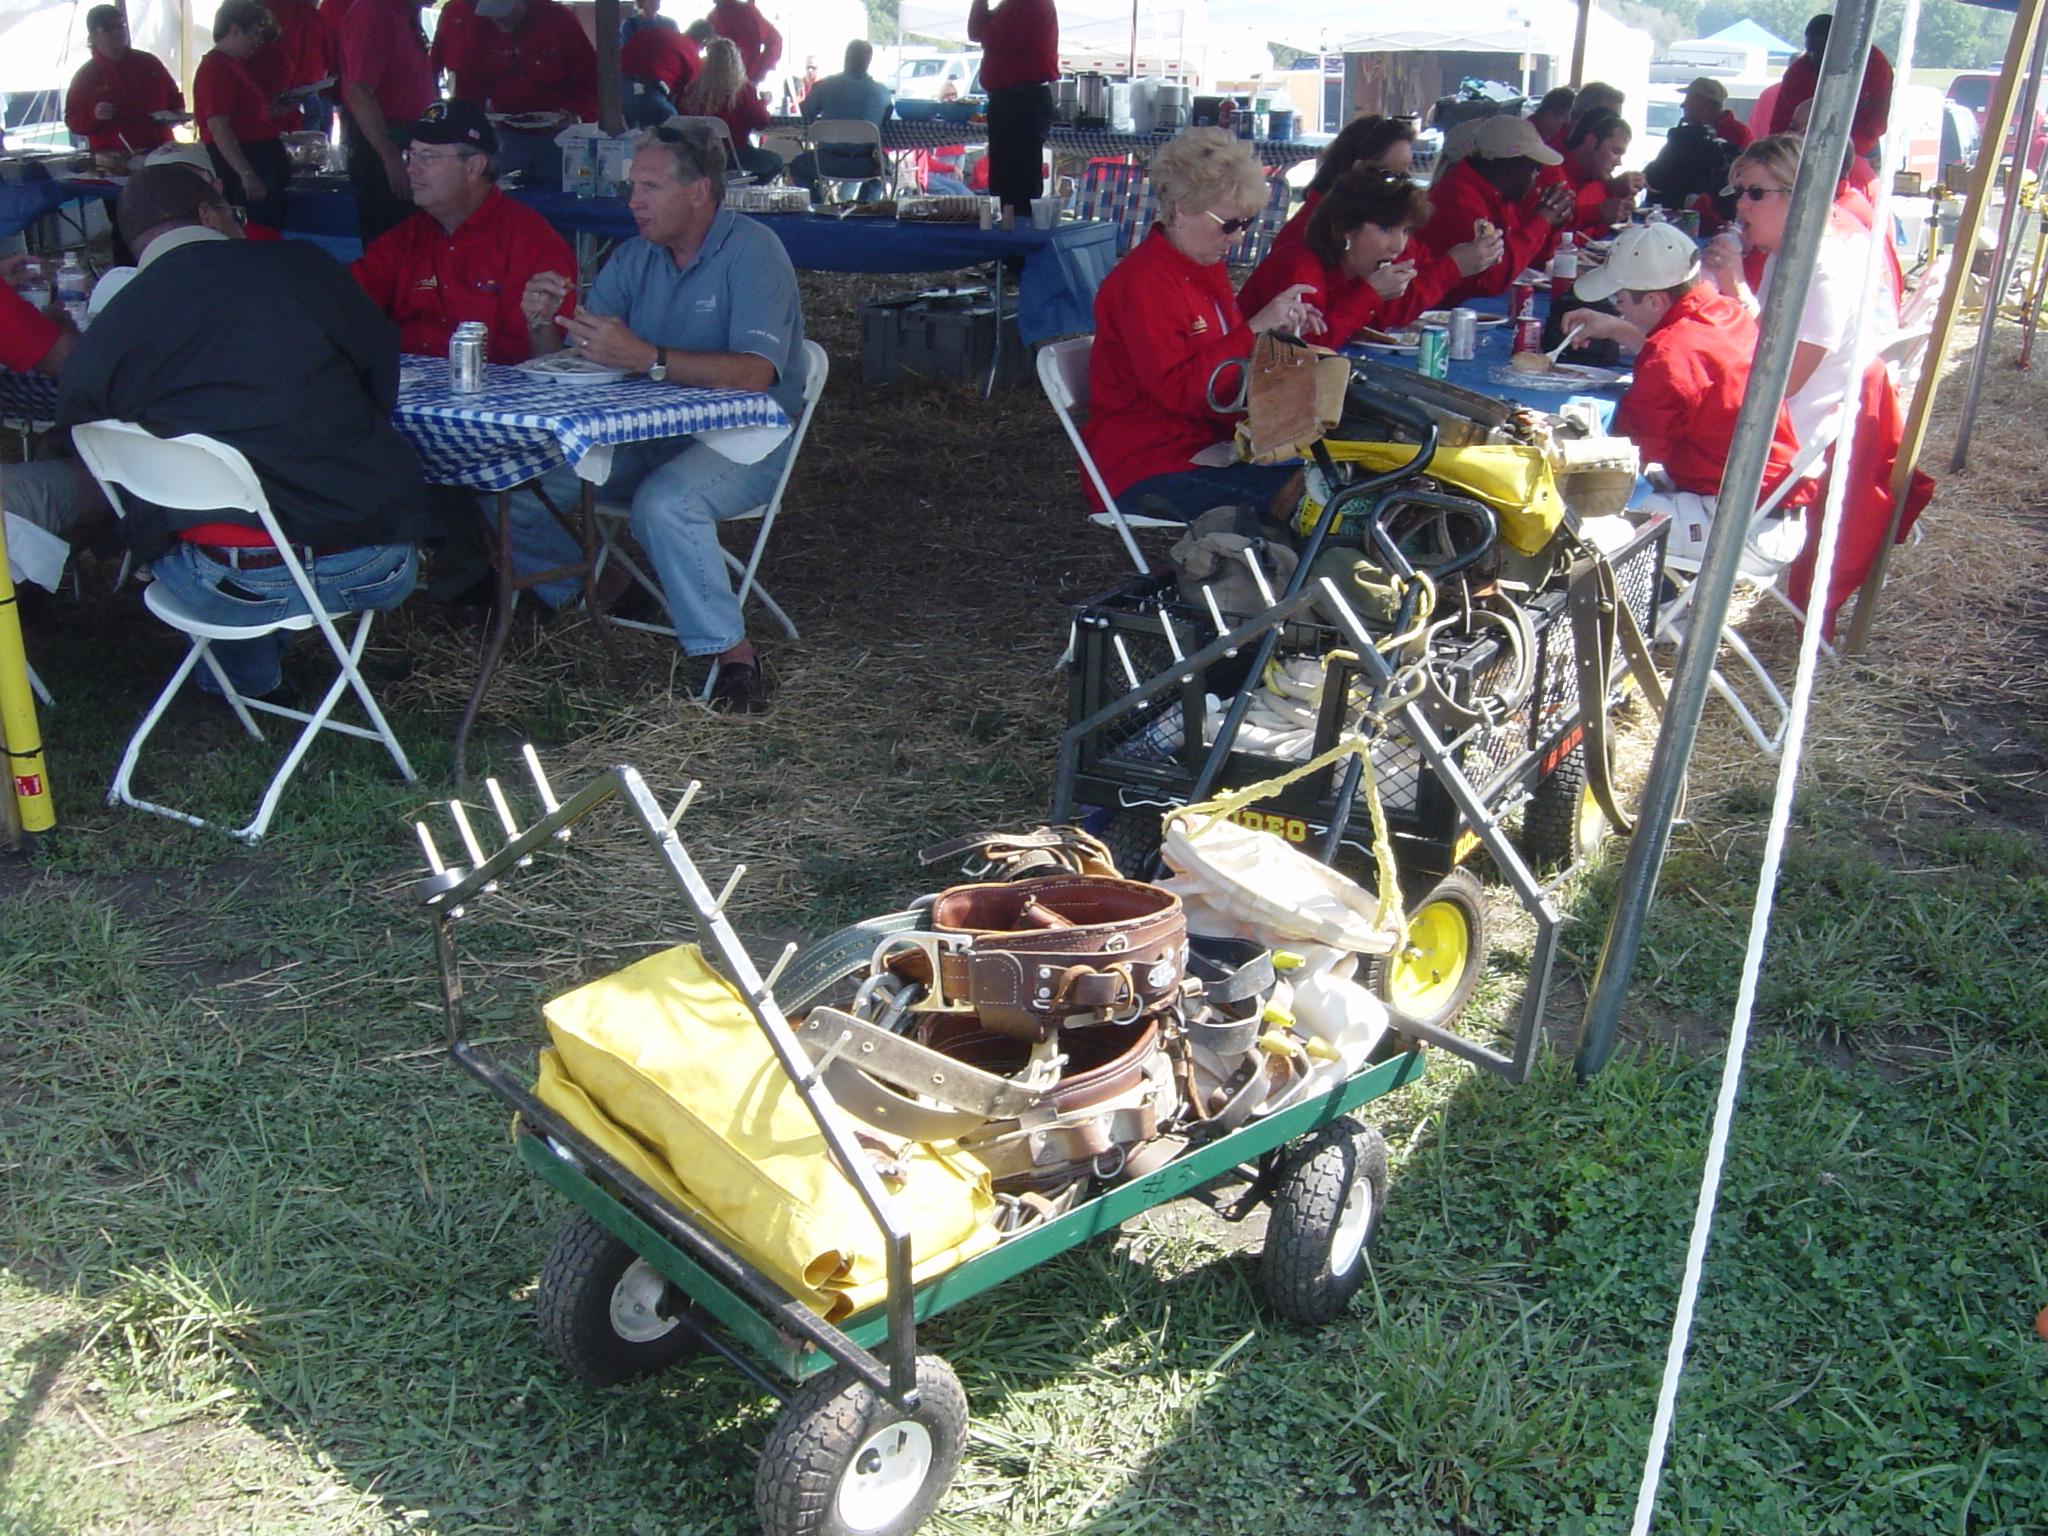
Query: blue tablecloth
(1059, 269)
(1487, 371)
(24, 202)
(519, 427)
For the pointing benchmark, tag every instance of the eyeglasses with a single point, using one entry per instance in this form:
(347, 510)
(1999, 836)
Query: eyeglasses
(417, 155)
(1756, 194)
(1232, 226)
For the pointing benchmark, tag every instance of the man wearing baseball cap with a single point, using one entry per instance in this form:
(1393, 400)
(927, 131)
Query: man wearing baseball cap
(1693, 347)
(1692, 167)
(469, 252)
(1492, 186)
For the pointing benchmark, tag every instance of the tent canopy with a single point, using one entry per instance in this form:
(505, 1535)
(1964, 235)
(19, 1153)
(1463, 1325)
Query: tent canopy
(1747, 34)
(42, 44)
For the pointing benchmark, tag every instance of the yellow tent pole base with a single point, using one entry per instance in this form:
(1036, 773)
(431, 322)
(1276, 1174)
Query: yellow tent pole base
(28, 782)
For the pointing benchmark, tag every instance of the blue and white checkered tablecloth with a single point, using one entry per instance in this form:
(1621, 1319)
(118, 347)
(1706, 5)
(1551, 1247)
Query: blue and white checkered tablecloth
(522, 426)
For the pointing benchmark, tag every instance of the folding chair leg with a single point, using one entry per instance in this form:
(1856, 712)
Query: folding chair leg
(36, 686)
(749, 587)
(120, 792)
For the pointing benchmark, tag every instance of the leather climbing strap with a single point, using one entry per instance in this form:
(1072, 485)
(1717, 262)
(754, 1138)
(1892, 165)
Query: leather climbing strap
(1602, 623)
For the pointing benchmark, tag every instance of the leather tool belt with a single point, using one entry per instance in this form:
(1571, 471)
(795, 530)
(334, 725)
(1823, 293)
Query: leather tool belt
(1032, 957)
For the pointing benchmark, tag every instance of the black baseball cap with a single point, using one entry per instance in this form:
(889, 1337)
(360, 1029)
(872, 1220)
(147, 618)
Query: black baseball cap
(455, 122)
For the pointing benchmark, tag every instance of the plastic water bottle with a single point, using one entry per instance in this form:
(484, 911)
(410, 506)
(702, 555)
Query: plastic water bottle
(73, 288)
(1564, 266)
(35, 285)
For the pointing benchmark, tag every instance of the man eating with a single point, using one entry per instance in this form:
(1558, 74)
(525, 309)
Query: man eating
(1493, 187)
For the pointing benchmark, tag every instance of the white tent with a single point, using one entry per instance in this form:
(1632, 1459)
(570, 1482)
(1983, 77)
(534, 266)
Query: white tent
(42, 44)
(1169, 30)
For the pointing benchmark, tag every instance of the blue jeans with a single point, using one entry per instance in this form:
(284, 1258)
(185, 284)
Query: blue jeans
(1188, 493)
(680, 490)
(376, 577)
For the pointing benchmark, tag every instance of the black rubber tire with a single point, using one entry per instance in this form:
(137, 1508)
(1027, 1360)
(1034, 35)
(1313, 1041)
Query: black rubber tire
(822, 1431)
(573, 1304)
(1457, 897)
(1133, 835)
(1314, 1258)
(1557, 831)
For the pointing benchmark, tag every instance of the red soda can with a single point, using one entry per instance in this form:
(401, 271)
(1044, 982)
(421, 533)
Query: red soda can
(1521, 301)
(1528, 334)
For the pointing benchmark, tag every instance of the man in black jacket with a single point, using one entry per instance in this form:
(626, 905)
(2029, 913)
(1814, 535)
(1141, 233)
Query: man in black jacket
(272, 348)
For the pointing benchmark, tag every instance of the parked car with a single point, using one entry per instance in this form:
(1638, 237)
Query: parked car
(1972, 90)
(1663, 108)
(924, 76)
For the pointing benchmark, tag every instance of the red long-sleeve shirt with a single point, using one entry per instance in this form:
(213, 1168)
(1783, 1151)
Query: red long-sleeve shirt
(1435, 275)
(1690, 377)
(1732, 131)
(1458, 202)
(1020, 42)
(305, 50)
(747, 116)
(661, 55)
(1162, 324)
(1873, 101)
(222, 86)
(743, 25)
(429, 280)
(1588, 193)
(26, 333)
(380, 50)
(137, 84)
(1346, 302)
(548, 65)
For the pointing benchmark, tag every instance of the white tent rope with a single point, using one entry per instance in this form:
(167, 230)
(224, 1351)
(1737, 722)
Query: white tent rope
(1863, 350)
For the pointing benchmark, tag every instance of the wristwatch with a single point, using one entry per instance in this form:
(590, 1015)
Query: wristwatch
(660, 369)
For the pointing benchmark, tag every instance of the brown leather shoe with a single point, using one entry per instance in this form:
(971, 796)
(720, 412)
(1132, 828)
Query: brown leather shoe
(741, 689)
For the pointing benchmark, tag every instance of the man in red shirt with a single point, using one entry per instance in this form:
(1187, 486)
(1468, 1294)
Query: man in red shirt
(1553, 115)
(1601, 194)
(469, 252)
(113, 96)
(385, 80)
(57, 496)
(1019, 58)
(1802, 75)
(760, 45)
(1496, 185)
(527, 57)
(304, 52)
(656, 62)
(1693, 347)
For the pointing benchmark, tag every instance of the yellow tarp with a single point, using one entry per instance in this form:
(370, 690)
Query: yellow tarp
(1515, 481)
(662, 1065)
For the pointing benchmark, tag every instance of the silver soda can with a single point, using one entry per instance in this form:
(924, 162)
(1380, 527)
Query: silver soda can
(1464, 334)
(466, 357)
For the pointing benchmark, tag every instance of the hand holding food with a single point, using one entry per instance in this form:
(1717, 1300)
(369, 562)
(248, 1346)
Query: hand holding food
(1392, 280)
(543, 295)
(1290, 311)
(1554, 203)
(1481, 253)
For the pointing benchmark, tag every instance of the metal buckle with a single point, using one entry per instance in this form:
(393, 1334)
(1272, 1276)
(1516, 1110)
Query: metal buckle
(932, 945)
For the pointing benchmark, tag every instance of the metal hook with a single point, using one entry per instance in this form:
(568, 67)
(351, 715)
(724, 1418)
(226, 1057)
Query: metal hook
(505, 818)
(1172, 640)
(774, 971)
(731, 881)
(682, 805)
(1259, 575)
(549, 804)
(433, 853)
(1124, 656)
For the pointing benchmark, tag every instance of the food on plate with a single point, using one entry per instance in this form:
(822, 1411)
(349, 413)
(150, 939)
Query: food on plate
(1531, 362)
(565, 362)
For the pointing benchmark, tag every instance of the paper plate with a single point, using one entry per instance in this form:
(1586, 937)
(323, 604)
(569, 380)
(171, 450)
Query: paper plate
(1440, 319)
(567, 368)
(1563, 378)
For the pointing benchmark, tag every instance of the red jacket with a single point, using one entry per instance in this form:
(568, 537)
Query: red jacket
(137, 84)
(548, 65)
(222, 86)
(429, 281)
(744, 26)
(1459, 201)
(305, 50)
(1346, 302)
(1690, 377)
(1020, 42)
(1588, 193)
(1873, 102)
(747, 116)
(1162, 324)
(26, 333)
(666, 57)
(1732, 131)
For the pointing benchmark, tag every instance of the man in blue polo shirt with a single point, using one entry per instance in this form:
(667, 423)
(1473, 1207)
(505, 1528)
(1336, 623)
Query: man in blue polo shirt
(704, 298)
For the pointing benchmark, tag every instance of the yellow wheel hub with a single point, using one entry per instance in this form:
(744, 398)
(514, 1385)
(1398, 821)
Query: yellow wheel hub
(1425, 974)
(1592, 823)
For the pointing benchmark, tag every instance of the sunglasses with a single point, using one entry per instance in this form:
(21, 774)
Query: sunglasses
(1233, 226)
(1754, 194)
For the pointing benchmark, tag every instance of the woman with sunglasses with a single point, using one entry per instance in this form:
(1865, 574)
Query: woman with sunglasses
(1351, 257)
(1823, 362)
(1165, 318)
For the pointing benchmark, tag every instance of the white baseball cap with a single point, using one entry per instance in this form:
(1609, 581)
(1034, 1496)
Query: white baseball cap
(1645, 257)
(1507, 137)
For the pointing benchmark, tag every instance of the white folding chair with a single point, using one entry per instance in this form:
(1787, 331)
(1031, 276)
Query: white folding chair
(612, 515)
(843, 134)
(1759, 571)
(196, 473)
(1063, 375)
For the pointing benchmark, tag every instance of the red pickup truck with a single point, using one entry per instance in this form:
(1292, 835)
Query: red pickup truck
(1972, 90)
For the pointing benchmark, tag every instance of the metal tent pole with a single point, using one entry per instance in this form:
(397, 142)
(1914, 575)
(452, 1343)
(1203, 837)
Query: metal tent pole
(1806, 221)
(1579, 43)
(2001, 256)
(611, 113)
(2019, 47)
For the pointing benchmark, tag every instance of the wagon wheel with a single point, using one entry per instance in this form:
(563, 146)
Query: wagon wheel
(844, 1461)
(1563, 824)
(1434, 973)
(1325, 1210)
(609, 1314)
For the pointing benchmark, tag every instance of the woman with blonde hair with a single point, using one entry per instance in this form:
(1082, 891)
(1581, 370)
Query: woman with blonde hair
(720, 89)
(1164, 319)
